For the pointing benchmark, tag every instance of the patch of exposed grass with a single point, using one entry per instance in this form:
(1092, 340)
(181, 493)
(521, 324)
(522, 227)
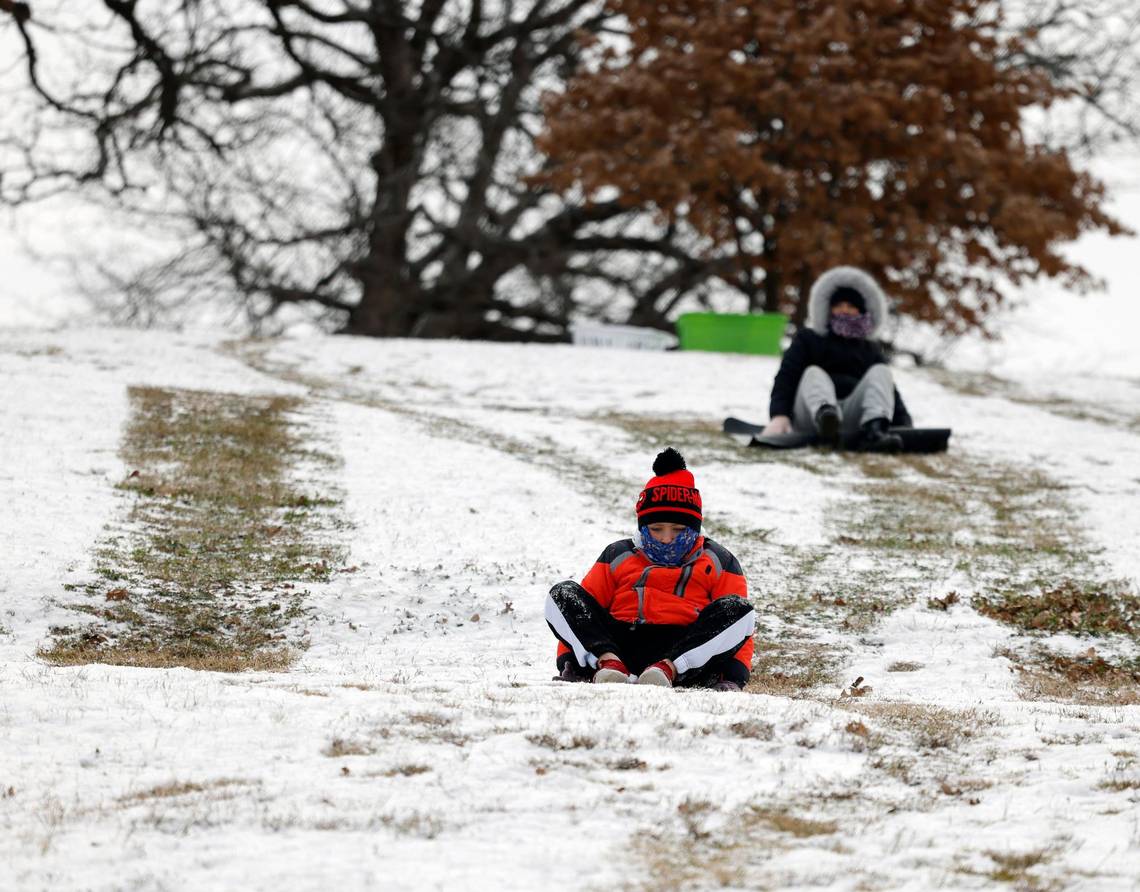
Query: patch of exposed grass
(595, 477)
(862, 739)
(686, 854)
(1087, 678)
(700, 440)
(561, 744)
(704, 846)
(409, 770)
(306, 692)
(969, 509)
(431, 719)
(1082, 607)
(902, 768)
(964, 786)
(904, 666)
(703, 442)
(1118, 784)
(744, 539)
(416, 823)
(341, 746)
(753, 729)
(793, 667)
(1126, 776)
(1014, 867)
(32, 352)
(434, 734)
(877, 467)
(628, 763)
(1091, 666)
(782, 821)
(905, 520)
(988, 385)
(174, 789)
(203, 571)
(930, 727)
(83, 650)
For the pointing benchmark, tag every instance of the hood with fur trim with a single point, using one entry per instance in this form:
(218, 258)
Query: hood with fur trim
(819, 301)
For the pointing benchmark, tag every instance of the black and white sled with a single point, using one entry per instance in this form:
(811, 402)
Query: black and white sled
(914, 439)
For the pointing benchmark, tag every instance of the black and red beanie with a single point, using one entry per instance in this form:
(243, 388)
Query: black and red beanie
(671, 496)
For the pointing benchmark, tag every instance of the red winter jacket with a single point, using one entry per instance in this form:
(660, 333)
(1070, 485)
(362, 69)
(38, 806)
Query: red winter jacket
(631, 588)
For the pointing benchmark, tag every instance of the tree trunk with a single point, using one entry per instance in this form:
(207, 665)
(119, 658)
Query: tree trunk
(387, 308)
(799, 312)
(773, 284)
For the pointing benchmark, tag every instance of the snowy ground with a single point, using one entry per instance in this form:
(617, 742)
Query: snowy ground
(420, 742)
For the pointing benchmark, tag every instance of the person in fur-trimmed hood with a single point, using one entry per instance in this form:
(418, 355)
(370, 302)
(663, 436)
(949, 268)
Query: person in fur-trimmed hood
(834, 379)
(667, 607)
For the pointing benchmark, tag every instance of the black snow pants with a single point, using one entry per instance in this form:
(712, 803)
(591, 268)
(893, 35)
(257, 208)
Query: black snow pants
(702, 651)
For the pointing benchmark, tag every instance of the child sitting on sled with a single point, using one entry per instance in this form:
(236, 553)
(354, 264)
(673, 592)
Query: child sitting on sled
(834, 380)
(667, 607)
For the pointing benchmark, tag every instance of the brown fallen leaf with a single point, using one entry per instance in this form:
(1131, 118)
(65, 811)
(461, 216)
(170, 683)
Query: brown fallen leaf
(1040, 620)
(857, 689)
(118, 594)
(943, 603)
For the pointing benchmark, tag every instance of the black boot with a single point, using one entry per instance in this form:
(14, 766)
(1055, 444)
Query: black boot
(827, 424)
(876, 436)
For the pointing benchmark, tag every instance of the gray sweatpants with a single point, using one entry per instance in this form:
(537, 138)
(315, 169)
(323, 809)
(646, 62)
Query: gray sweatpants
(873, 397)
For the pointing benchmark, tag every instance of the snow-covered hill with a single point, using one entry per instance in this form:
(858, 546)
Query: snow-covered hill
(419, 742)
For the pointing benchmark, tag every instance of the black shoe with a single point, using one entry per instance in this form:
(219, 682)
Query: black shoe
(571, 671)
(876, 436)
(827, 424)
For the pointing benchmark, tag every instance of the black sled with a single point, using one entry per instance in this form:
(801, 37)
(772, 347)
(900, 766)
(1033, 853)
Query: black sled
(914, 439)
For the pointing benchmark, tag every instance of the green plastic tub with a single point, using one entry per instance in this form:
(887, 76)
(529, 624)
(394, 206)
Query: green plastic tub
(732, 332)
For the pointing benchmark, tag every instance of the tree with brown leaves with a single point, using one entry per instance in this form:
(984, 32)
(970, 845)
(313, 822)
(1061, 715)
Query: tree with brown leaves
(804, 134)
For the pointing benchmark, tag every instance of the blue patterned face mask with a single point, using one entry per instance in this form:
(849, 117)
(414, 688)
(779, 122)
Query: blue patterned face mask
(851, 326)
(669, 554)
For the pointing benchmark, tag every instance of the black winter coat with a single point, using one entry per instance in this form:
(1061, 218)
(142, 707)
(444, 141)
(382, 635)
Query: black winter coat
(846, 360)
